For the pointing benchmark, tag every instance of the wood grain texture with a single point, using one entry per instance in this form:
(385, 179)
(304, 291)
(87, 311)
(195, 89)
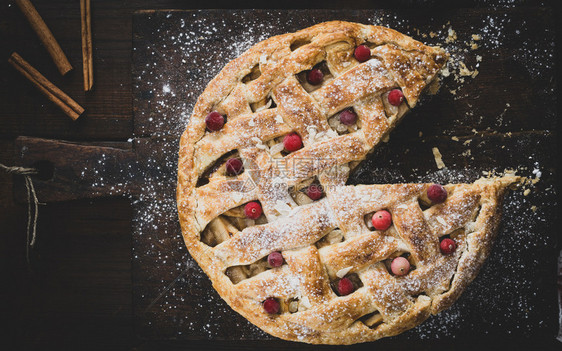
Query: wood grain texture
(71, 171)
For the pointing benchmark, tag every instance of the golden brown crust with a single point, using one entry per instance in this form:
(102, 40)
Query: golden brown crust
(244, 90)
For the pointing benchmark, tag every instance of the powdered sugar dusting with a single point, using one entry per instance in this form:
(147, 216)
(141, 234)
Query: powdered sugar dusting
(164, 108)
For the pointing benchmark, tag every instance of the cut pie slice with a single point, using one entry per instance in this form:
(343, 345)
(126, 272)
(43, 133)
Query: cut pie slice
(263, 204)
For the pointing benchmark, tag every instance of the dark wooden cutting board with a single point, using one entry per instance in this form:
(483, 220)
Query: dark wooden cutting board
(507, 112)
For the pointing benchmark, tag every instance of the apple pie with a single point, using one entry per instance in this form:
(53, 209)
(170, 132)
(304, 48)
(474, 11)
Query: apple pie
(264, 205)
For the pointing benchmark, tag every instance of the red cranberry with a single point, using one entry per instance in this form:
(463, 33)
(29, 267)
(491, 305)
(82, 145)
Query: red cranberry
(437, 193)
(314, 192)
(271, 305)
(400, 266)
(348, 117)
(395, 97)
(234, 166)
(382, 220)
(275, 259)
(447, 246)
(315, 76)
(253, 210)
(214, 121)
(362, 53)
(292, 142)
(345, 287)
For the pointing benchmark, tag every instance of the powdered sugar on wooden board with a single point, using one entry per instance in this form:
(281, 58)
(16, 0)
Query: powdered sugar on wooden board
(174, 66)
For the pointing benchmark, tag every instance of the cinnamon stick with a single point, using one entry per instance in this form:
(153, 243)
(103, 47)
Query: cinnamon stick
(69, 106)
(45, 36)
(87, 63)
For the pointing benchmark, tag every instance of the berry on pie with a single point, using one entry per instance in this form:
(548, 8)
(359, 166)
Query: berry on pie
(382, 220)
(362, 53)
(292, 142)
(271, 305)
(214, 121)
(400, 266)
(253, 210)
(395, 97)
(447, 246)
(234, 166)
(314, 192)
(436, 193)
(311, 268)
(345, 287)
(275, 259)
(315, 76)
(348, 117)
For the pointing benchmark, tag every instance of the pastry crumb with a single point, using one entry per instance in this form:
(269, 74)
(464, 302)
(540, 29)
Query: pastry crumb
(438, 158)
(463, 70)
(452, 36)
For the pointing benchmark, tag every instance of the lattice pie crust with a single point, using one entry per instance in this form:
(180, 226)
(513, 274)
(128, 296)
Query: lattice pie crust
(264, 95)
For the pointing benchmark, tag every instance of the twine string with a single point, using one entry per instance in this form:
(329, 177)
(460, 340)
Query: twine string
(18, 170)
(32, 204)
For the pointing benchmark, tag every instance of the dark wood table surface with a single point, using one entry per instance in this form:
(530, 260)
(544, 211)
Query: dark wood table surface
(78, 293)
